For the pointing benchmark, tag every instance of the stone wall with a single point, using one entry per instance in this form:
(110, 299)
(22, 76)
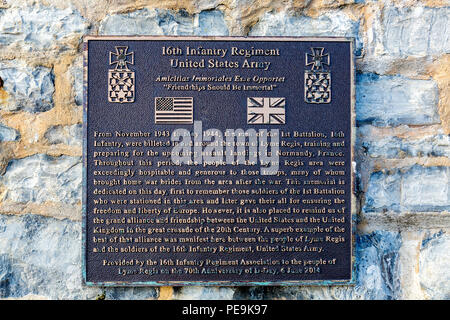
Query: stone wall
(402, 147)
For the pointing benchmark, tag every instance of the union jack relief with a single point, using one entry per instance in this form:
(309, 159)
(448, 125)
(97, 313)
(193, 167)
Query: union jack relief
(266, 110)
(317, 77)
(121, 80)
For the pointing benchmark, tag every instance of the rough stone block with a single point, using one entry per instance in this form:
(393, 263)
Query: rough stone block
(41, 256)
(383, 192)
(394, 100)
(434, 266)
(392, 147)
(76, 71)
(404, 39)
(377, 265)
(334, 23)
(30, 89)
(416, 31)
(42, 178)
(205, 293)
(70, 135)
(426, 189)
(39, 27)
(8, 134)
(140, 22)
(211, 23)
(164, 22)
(131, 293)
(175, 22)
(417, 189)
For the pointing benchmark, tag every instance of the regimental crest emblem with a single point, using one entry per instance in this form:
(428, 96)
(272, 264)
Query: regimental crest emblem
(121, 80)
(317, 77)
(266, 110)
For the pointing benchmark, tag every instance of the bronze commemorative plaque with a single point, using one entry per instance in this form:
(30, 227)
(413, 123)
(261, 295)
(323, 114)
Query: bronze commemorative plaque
(218, 161)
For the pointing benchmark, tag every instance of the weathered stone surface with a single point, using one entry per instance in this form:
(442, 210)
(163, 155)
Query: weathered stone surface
(391, 146)
(417, 31)
(140, 22)
(131, 293)
(383, 192)
(8, 134)
(205, 293)
(70, 135)
(440, 71)
(27, 88)
(434, 263)
(41, 256)
(76, 71)
(377, 265)
(416, 189)
(39, 28)
(394, 147)
(394, 100)
(164, 22)
(426, 189)
(399, 42)
(211, 23)
(176, 23)
(411, 34)
(335, 23)
(42, 178)
(202, 5)
(376, 269)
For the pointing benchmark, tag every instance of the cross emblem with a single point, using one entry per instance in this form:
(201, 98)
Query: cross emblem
(121, 58)
(317, 60)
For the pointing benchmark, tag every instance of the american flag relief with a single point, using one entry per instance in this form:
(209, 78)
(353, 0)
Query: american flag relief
(174, 110)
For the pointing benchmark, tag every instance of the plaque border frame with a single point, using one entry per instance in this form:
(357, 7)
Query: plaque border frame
(353, 215)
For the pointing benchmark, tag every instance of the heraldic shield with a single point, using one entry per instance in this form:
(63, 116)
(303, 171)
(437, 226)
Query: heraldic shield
(121, 80)
(317, 87)
(121, 86)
